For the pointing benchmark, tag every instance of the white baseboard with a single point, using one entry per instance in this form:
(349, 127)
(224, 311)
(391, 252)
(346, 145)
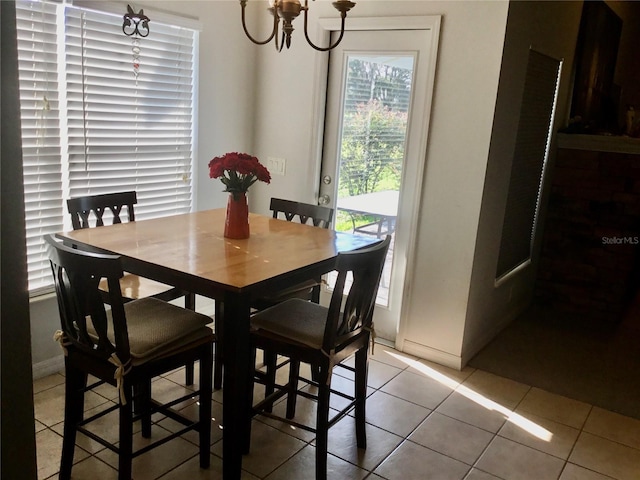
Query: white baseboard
(48, 367)
(433, 355)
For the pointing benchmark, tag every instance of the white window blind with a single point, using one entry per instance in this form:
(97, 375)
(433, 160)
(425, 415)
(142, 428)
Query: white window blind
(41, 145)
(128, 133)
(376, 106)
(122, 131)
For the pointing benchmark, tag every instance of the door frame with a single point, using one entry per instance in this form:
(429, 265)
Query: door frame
(328, 25)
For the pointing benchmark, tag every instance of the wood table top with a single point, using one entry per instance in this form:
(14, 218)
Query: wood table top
(194, 244)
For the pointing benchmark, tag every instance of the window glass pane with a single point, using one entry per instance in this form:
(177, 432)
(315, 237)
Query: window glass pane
(373, 134)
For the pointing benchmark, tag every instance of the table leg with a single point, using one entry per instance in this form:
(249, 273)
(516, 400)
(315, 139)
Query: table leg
(235, 389)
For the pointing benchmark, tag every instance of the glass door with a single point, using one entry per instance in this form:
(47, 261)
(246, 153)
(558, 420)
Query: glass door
(373, 148)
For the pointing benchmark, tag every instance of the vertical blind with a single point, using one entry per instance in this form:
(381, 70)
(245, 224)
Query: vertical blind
(530, 155)
(122, 128)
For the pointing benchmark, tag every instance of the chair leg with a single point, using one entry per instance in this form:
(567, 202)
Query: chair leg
(315, 373)
(218, 361)
(75, 381)
(361, 365)
(292, 396)
(252, 383)
(322, 423)
(190, 301)
(144, 401)
(206, 364)
(126, 434)
(188, 373)
(315, 293)
(315, 298)
(189, 304)
(270, 360)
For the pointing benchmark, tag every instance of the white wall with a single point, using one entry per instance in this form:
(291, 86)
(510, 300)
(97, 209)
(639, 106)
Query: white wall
(470, 51)
(255, 100)
(226, 100)
(550, 28)
(465, 91)
(225, 122)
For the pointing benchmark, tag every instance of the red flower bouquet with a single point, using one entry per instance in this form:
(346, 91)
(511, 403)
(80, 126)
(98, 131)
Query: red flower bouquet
(238, 171)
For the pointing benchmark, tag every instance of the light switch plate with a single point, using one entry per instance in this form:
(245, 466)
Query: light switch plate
(276, 166)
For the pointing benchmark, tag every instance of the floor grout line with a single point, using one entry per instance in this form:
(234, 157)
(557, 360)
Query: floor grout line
(405, 438)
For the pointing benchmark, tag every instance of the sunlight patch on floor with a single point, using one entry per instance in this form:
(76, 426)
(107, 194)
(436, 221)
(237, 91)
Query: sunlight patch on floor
(511, 416)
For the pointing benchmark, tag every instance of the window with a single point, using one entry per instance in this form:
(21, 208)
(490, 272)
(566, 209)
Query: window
(529, 160)
(92, 123)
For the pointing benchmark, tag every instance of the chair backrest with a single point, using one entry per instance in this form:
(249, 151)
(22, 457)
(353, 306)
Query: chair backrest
(84, 319)
(319, 215)
(365, 266)
(81, 208)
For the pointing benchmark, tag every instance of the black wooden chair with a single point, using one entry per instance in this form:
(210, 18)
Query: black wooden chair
(89, 211)
(306, 213)
(309, 290)
(125, 345)
(307, 332)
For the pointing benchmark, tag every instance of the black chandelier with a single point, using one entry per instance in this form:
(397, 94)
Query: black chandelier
(288, 10)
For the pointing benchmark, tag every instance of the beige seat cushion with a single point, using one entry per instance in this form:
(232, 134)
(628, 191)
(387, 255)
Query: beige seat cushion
(295, 319)
(153, 324)
(156, 327)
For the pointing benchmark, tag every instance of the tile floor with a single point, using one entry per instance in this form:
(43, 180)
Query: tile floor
(425, 421)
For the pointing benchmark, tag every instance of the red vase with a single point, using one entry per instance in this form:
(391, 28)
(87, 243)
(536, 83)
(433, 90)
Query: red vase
(237, 222)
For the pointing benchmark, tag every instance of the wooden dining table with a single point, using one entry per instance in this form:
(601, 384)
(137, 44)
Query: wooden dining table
(189, 251)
